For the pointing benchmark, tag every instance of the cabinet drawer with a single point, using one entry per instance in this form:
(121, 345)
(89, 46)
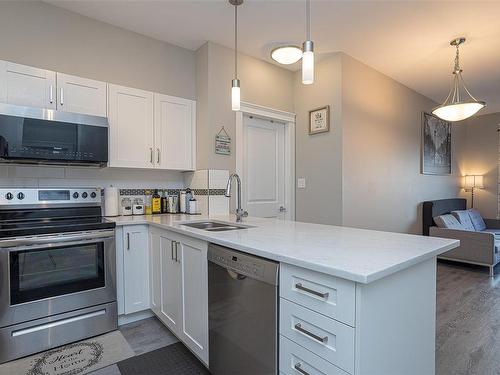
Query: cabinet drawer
(328, 338)
(328, 295)
(294, 360)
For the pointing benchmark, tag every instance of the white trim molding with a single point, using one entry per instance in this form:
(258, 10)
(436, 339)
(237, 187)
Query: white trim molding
(278, 115)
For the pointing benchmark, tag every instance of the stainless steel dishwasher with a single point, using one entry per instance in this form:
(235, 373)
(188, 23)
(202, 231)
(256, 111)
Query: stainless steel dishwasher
(243, 313)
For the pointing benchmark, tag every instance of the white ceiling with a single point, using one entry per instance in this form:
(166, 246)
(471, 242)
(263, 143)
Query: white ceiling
(407, 40)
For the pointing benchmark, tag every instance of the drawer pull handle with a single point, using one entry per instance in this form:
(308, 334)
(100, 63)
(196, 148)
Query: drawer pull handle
(322, 340)
(298, 368)
(310, 291)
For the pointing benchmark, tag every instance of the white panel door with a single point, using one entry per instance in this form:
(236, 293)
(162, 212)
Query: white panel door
(28, 86)
(136, 268)
(194, 264)
(155, 271)
(264, 167)
(174, 132)
(130, 114)
(81, 95)
(170, 313)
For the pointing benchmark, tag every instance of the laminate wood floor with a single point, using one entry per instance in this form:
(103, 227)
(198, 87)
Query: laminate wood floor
(468, 321)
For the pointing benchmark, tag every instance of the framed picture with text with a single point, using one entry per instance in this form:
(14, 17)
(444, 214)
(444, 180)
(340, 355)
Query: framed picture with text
(319, 120)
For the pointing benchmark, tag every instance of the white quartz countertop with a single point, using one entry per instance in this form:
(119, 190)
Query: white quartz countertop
(354, 254)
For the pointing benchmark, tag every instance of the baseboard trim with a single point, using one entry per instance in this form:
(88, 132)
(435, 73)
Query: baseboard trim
(131, 318)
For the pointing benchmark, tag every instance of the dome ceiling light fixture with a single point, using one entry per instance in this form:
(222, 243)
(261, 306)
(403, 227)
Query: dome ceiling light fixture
(460, 104)
(286, 55)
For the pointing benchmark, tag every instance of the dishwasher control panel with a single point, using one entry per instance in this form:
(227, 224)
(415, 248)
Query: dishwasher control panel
(245, 264)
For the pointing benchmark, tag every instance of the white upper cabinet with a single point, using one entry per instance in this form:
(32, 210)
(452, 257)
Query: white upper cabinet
(81, 95)
(175, 132)
(130, 115)
(27, 86)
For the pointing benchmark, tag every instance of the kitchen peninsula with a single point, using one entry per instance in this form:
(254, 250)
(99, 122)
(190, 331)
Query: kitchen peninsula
(351, 301)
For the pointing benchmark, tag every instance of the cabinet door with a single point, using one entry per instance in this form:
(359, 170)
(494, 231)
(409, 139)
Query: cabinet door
(155, 271)
(170, 285)
(28, 86)
(194, 296)
(81, 95)
(136, 268)
(130, 115)
(175, 132)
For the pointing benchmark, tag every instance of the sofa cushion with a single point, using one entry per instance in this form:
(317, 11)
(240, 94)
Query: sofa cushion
(477, 219)
(464, 218)
(448, 221)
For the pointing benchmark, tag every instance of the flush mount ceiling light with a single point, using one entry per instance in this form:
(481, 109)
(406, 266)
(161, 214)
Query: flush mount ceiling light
(286, 55)
(235, 83)
(308, 50)
(460, 104)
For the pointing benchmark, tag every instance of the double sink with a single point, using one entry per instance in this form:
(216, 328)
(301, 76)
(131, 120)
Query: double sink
(214, 226)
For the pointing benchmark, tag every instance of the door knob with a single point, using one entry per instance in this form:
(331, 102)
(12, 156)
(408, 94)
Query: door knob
(282, 209)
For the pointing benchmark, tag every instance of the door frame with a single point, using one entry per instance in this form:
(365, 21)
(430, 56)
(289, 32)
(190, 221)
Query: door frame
(277, 115)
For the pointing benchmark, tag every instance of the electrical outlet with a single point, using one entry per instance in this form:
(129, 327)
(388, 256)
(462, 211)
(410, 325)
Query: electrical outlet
(301, 183)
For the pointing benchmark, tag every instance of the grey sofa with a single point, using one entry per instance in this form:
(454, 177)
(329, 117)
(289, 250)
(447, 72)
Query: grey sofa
(480, 247)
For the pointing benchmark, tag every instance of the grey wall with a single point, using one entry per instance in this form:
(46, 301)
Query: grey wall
(319, 156)
(481, 158)
(261, 83)
(382, 183)
(45, 36)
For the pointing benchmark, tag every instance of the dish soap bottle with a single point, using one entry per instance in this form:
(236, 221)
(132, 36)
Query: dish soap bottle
(156, 206)
(164, 202)
(148, 209)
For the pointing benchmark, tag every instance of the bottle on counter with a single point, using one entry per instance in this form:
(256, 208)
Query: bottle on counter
(189, 195)
(148, 208)
(156, 203)
(182, 201)
(164, 202)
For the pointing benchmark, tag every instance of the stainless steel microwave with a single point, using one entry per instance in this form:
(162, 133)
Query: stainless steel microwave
(46, 136)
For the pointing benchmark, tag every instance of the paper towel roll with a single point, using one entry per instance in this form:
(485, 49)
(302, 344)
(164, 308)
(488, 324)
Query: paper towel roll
(111, 197)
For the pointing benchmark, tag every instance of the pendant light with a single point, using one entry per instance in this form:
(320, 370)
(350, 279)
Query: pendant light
(308, 50)
(235, 83)
(460, 104)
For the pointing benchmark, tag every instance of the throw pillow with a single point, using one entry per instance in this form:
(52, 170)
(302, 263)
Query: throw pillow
(464, 219)
(448, 221)
(477, 219)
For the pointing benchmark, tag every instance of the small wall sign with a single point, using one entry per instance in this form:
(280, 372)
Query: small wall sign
(222, 143)
(319, 120)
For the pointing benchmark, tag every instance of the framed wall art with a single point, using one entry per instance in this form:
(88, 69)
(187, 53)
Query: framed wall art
(319, 120)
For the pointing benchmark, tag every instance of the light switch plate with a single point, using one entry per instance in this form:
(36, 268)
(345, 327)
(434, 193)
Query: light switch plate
(301, 183)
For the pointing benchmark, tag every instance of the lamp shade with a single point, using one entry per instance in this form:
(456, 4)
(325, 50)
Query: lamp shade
(473, 182)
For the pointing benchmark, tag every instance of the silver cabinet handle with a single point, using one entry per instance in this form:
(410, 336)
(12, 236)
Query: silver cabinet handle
(62, 96)
(158, 156)
(172, 250)
(51, 94)
(298, 368)
(128, 241)
(151, 155)
(311, 291)
(177, 251)
(322, 340)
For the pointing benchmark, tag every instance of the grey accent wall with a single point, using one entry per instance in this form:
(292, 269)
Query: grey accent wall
(481, 158)
(382, 184)
(319, 156)
(42, 35)
(261, 83)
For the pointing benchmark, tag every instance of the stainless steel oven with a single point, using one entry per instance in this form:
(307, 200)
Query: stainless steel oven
(55, 287)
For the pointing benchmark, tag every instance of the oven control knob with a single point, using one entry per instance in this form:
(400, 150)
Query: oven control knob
(20, 196)
(9, 196)
(93, 194)
(75, 195)
(84, 195)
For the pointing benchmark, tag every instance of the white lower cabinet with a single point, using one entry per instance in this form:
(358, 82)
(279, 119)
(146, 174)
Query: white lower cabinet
(135, 268)
(179, 287)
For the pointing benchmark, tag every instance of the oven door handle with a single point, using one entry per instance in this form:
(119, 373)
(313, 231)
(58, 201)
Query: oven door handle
(51, 241)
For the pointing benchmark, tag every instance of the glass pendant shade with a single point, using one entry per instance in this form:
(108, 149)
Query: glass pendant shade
(460, 104)
(308, 63)
(235, 95)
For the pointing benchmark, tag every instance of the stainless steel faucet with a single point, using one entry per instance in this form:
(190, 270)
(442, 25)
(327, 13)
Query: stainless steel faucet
(240, 213)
